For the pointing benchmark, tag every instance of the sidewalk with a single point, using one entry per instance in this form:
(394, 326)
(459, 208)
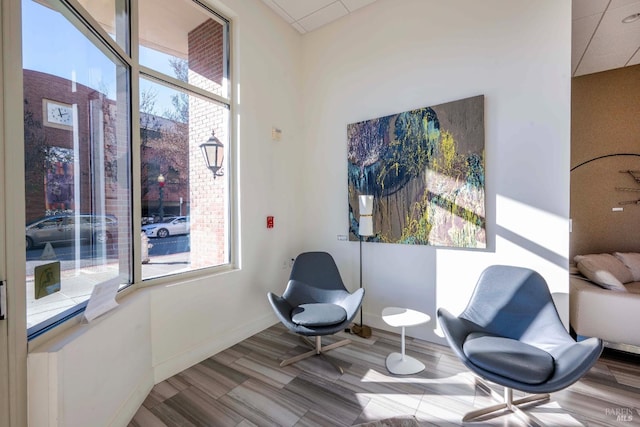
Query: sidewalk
(79, 278)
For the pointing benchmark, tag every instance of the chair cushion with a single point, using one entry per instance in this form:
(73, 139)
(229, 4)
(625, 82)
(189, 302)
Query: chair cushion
(509, 358)
(320, 314)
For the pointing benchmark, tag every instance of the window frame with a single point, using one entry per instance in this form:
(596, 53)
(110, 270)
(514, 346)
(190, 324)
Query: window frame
(229, 102)
(78, 16)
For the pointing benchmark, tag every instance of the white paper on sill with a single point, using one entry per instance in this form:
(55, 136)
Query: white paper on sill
(103, 299)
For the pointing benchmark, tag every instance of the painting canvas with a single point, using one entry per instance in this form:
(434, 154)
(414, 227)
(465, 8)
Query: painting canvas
(425, 169)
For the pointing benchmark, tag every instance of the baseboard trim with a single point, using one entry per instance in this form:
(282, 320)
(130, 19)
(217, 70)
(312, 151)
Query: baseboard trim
(627, 348)
(209, 347)
(131, 404)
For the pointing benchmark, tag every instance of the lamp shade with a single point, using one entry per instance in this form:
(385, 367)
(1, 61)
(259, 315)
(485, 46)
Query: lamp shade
(365, 227)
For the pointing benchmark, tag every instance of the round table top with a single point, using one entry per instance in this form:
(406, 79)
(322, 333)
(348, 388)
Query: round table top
(399, 317)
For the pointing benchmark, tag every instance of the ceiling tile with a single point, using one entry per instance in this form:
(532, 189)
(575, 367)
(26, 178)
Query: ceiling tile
(352, 5)
(582, 31)
(583, 8)
(298, 9)
(595, 64)
(614, 42)
(323, 16)
(620, 3)
(613, 35)
(279, 11)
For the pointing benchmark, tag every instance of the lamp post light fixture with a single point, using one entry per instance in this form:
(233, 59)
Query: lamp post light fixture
(161, 190)
(213, 152)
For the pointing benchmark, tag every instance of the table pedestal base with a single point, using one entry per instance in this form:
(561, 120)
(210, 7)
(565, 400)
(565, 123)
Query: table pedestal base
(403, 365)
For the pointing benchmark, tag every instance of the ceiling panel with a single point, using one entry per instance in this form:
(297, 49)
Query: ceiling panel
(298, 9)
(323, 16)
(600, 41)
(614, 43)
(584, 8)
(280, 11)
(619, 3)
(582, 31)
(308, 15)
(356, 4)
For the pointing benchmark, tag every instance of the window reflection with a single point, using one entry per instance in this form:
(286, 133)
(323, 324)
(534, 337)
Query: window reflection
(76, 174)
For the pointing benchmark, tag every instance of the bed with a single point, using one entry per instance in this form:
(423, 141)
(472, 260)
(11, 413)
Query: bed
(605, 299)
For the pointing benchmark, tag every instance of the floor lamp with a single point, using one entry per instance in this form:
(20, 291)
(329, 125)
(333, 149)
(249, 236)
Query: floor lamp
(365, 228)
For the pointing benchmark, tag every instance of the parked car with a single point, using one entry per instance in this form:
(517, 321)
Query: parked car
(155, 218)
(167, 227)
(63, 228)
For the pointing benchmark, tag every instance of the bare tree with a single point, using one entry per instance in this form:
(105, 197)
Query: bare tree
(179, 101)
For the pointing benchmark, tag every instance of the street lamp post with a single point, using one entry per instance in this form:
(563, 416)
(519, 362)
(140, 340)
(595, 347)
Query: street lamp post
(161, 189)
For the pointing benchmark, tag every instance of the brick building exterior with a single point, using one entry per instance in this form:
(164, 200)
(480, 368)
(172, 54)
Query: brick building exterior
(168, 147)
(97, 122)
(209, 246)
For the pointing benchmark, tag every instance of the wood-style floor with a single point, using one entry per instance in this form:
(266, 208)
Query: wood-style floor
(245, 386)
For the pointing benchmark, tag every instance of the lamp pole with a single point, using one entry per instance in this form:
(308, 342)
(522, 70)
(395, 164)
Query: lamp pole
(161, 190)
(365, 228)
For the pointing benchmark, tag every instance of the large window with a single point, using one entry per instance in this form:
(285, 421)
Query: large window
(183, 104)
(80, 139)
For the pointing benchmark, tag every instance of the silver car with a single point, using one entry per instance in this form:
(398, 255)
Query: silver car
(57, 229)
(168, 227)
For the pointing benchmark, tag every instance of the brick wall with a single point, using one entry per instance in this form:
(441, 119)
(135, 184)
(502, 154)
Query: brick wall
(206, 195)
(38, 136)
(102, 145)
(208, 204)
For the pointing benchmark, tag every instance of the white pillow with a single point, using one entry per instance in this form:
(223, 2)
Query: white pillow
(604, 270)
(632, 261)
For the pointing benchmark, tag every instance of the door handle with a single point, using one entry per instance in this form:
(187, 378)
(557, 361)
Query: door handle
(3, 300)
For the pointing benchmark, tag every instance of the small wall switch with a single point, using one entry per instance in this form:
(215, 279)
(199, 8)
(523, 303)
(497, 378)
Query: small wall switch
(276, 134)
(342, 237)
(617, 209)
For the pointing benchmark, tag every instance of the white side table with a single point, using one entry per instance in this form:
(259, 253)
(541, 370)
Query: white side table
(399, 363)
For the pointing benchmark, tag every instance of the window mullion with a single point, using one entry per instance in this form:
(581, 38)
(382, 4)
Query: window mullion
(91, 28)
(136, 154)
(179, 84)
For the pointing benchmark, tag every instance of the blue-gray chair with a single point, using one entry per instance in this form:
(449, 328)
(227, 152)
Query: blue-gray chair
(510, 334)
(316, 303)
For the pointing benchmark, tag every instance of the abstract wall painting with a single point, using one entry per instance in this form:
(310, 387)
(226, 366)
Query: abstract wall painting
(425, 168)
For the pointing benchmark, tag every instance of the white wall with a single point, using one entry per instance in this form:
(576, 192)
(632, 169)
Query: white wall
(385, 58)
(93, 374)
(393, 56)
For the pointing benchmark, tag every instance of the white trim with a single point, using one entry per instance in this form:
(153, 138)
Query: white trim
(76, 14)
(12, 209)
(209, 347)
(169, 81)
(132, 403)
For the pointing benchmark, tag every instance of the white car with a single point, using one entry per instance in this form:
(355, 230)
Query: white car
(167, 227)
